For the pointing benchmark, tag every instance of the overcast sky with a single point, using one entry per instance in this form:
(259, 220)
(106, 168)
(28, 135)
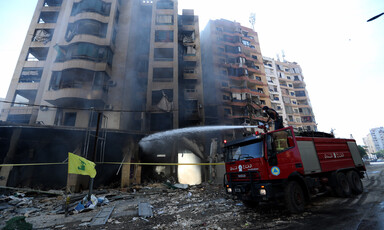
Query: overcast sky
(341, 54)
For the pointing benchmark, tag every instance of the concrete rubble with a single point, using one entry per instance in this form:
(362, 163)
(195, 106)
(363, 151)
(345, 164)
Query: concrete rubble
(153, 206)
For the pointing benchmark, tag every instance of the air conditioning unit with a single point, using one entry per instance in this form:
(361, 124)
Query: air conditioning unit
(108, 107)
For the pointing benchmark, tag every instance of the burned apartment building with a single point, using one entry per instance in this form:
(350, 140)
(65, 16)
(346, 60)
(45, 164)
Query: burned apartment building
(235, 83)
(289, 96)
(130, 68)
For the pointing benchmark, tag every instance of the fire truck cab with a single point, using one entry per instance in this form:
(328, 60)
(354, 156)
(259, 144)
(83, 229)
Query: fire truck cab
(278, 165)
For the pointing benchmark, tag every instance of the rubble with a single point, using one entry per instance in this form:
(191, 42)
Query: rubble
(151, 206)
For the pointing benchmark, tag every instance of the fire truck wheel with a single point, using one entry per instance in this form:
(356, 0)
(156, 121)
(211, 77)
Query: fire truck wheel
(294, 197)
(342, 188)
(355, 182)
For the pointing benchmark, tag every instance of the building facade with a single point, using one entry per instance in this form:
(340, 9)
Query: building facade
(375, 140)
(297, 105)
(136, 62)
(235, 84)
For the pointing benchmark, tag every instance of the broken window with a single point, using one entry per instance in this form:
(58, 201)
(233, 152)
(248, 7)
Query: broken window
(86, 26)
(245, 42)
(19, 118)
(188, 36)
(164, 4)
(24, 98)
(52, 3)
(233, 49)
(164, 36)
(30, 75)
(163, 54)
(163, 19)
(69, 119)
(48, 17)
(43, 35)
(306, 119)
(158, 95)
(97, 6)
(161, 121)
(163, 74)
(190, 50)
(37, 54)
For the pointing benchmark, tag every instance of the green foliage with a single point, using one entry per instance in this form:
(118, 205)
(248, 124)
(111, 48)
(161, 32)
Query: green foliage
(380, 153)
(361, 151)
(17, 222)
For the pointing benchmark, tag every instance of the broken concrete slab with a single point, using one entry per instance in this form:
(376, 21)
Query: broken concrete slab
(145, 210)
(102, 217)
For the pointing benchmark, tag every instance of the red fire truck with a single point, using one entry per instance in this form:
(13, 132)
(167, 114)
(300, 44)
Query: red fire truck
(282, 166)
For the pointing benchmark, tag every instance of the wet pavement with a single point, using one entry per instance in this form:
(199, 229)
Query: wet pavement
(206, 206)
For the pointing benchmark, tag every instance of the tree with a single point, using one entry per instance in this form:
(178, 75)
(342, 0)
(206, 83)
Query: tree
(380, 153)
(361, 151)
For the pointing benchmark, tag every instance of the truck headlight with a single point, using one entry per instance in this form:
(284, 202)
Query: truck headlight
(263, 192)
(229, 190)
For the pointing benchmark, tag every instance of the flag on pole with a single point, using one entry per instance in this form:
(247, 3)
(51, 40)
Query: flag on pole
(80, 165)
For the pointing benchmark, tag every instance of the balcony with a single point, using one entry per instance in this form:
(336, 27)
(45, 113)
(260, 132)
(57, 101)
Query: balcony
(76, 97)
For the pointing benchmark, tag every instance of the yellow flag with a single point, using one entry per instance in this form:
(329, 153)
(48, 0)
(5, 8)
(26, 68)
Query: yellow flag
(80, 165)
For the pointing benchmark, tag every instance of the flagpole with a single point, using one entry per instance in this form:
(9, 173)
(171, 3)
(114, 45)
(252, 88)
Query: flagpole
(94, 153)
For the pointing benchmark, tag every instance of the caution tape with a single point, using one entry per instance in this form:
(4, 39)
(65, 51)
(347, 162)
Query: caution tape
(112, 163)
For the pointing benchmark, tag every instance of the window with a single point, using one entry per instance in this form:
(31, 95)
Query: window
(280, 141)
(163, 74)
(24, 98)
(48, 17)
(52, 3)
(97, 6)
(164, 5)
(245, 42)
(248, 151)
(87, 51)
(164, 36)
(86, 26)
(224, 84)
(30, 75)
(78, 78)
(43, 35)
(226, 98)
(300, 93)
(69, 119)
(19, 118)
(163, 54)
(37, 54)
(164, 20)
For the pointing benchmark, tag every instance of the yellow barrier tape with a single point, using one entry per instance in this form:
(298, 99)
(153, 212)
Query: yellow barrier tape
(113, 163)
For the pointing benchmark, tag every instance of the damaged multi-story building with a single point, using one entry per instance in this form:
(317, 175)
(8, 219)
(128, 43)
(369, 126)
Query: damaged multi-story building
(235, 83)
(104, 68)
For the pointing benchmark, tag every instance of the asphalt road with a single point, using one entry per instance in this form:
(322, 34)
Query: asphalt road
(365, 211)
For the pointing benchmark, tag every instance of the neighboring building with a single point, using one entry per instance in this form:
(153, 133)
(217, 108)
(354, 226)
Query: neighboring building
(137, 62)
(1, 105)
(235, 84)
(375, 140)
(297, 105)
(370, 145)
(274, 88)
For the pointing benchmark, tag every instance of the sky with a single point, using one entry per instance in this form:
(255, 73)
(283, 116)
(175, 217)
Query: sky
(340, 53)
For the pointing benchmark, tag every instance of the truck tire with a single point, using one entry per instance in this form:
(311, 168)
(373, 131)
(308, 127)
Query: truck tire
(294, 197)
(342, 188)
(355, 182)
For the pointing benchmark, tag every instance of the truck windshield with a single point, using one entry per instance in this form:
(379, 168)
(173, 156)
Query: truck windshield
(243, 152)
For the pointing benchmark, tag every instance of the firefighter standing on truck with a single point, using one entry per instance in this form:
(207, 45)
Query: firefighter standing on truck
(272, 114)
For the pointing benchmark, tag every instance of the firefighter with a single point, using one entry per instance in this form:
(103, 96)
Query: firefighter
(272, 114)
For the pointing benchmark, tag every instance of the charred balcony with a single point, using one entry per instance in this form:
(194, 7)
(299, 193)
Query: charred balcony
(79, 88)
